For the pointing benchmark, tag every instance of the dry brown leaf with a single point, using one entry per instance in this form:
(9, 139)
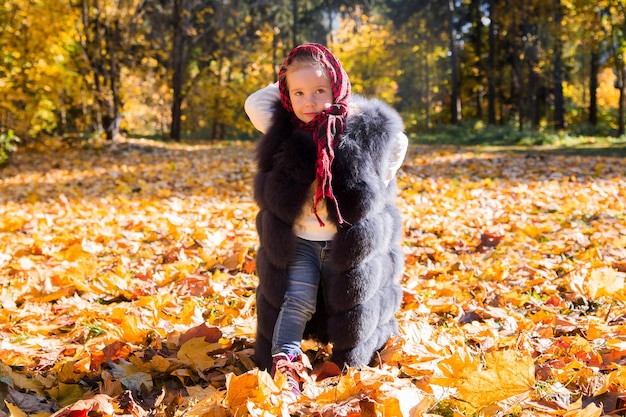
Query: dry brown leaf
(210, 334)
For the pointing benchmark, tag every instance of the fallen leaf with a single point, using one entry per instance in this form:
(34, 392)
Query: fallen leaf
(196, 353)
(131, 377)
(127, 253)
(603, 282)
(210, 334)
(256, 386)
(99, 403)
(504, 374)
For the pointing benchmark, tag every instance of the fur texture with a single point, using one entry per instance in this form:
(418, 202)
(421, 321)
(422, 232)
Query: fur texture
(356, 309)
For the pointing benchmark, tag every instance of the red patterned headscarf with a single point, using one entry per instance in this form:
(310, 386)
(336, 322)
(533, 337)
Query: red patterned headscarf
(328, 126)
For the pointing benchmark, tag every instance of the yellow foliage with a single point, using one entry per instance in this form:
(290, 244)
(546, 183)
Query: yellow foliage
(365, 48)
(34, 53)
(503, 375)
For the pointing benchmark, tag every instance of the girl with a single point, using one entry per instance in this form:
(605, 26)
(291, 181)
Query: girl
(330, 256)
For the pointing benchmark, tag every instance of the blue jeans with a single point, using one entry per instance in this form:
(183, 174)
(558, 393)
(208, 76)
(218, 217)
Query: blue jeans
(311, 264)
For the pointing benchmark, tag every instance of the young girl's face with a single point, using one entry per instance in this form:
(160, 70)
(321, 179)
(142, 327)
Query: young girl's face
(309, 90)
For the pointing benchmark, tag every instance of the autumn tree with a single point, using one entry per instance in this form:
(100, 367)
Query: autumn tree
(36, 81)
(184, 67)
(178, 28)
(476, 39)
(429, 30)
(614, 18)
(557, 65)
(222, 85)
(415, 49)
(367, 52)
(207, 45)
(586, 17)
(594, 31)
(107, 35)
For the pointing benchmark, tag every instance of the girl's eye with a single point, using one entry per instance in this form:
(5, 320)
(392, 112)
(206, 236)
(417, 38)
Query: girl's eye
(321, 91)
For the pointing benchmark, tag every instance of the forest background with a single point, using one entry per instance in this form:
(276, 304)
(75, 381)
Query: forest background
(183, 68)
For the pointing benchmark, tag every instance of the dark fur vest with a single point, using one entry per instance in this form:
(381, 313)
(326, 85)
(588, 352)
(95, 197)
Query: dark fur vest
(356, 312)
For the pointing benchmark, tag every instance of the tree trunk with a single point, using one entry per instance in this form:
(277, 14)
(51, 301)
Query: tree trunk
(559, 102)
(99, 43)
(491, 65)
(294, 29)
(478, 48)
(427, 81)
(112, 129)
(331, 18)
(593, 87)
(62, 114)
(178, 68)
(517, 89)
(534, 81)
(622, 101)
(456, 88)
(95, 59)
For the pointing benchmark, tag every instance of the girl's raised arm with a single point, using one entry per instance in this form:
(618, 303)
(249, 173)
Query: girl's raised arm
(259, 106)
(397, 155)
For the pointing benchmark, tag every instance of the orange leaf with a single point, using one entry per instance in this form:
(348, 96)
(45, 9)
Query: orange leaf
(255, 385)
(506, 373)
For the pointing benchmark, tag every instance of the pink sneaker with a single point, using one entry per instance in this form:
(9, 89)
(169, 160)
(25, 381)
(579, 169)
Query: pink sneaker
(292, 367)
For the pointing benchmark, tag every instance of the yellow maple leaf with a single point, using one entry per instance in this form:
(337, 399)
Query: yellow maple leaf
(66, 394)
(195, 353)
(68, 374)
(505, 374)
(604, 281)
(10, 224)
(342, 387)
(454, 366)
(256, 386)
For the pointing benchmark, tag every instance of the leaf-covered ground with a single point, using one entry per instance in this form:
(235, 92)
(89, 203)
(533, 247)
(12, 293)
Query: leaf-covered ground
(127, 287)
